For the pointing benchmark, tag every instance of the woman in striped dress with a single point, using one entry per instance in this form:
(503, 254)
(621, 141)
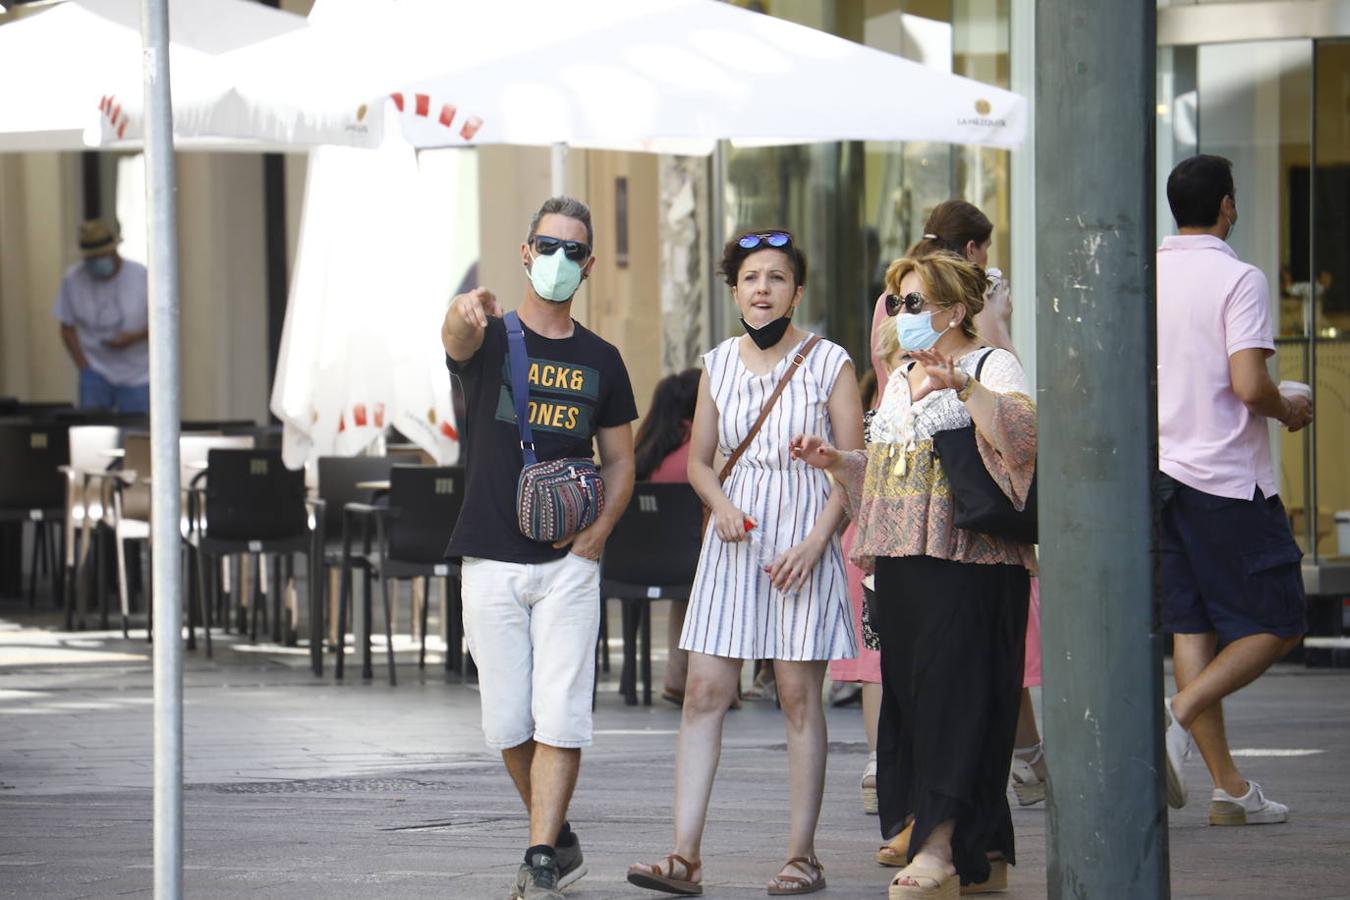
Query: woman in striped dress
(770, 582)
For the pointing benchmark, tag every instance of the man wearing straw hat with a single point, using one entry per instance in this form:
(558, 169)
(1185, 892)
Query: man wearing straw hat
(103, 309)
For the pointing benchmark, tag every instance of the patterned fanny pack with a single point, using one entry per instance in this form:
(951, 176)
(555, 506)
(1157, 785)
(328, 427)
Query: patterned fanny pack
(557, 498)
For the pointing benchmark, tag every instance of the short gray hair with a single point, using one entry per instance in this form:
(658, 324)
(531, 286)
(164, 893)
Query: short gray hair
(563, 206)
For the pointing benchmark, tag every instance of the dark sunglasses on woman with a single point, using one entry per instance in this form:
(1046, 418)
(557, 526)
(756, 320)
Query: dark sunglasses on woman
(576, 251)
(771, 238)
(911, 303)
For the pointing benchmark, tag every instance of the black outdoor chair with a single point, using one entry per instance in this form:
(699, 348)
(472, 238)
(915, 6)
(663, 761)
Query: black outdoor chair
(411, 535)
(254, 504)
(33, 489)
(42, 412)
(652, 554)
(220, 426)
(338, 480)
(265, 437)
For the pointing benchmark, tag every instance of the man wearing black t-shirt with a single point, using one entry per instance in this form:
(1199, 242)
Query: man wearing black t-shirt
(531, 609)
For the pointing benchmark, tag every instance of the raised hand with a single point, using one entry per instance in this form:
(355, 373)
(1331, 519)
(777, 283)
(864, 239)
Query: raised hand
(475, 307)
(941, 371)
(813, 450)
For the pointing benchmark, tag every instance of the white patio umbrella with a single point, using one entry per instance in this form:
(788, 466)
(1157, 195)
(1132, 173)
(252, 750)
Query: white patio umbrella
(658, 75)
(68, 69)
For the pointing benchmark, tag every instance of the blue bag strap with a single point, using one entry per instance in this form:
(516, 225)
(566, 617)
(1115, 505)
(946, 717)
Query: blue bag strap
(519, 359)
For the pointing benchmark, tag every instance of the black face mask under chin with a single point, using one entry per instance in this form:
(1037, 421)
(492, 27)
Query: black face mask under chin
(767, 335)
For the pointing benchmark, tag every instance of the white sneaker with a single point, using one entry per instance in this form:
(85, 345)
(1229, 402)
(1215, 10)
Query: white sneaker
(1250, 809)
(1177, 742)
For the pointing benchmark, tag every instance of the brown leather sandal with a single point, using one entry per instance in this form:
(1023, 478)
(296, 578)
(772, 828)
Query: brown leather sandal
(781, 885)
(661, 876)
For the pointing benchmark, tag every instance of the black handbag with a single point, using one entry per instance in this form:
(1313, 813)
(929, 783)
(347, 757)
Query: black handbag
(979, 502)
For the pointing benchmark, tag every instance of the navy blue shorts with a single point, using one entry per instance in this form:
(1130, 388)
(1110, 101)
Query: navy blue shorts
(1228, 566)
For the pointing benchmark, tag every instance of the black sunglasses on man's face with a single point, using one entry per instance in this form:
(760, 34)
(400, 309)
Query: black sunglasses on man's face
(910, 303)
(576, 251)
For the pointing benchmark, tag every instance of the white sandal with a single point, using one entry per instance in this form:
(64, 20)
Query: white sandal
(869, 785)
(1027, 785)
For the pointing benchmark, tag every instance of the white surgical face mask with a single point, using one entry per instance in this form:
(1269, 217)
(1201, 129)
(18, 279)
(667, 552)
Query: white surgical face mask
(554, 277)
(915, 331)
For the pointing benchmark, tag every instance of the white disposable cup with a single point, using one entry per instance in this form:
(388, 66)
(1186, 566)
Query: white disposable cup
(1295, 389)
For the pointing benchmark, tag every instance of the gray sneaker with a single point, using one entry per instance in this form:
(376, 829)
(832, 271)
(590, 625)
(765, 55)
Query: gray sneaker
(570, 864)
(537, 880)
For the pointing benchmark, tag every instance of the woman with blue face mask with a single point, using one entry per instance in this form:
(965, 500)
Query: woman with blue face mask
(951, 604)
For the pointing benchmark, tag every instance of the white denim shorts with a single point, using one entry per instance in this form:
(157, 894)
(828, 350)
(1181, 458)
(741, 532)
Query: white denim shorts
(532, 630)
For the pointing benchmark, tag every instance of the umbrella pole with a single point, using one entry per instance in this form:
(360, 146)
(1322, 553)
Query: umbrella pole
(558, 169)
(164, 428)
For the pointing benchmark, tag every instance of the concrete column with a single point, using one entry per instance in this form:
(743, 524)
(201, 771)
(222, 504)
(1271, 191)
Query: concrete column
(1096, 355)
(683, 227)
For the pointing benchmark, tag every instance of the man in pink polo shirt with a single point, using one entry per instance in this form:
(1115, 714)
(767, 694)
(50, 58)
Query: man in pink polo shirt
(1229, 565)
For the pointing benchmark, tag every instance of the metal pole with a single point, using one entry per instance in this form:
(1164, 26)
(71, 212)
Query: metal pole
(1022, 58)
(1096, 342)
(164, 428)
(558, 169)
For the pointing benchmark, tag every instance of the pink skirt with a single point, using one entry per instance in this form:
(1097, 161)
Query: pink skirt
(1031, 668)
(866, 666)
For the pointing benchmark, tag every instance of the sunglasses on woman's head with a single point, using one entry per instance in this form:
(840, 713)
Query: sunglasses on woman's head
(771, 238)
(910, 303)
(576, 251)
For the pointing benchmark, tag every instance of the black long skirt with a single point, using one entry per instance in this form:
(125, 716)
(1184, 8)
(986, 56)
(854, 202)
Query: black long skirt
(953, 637)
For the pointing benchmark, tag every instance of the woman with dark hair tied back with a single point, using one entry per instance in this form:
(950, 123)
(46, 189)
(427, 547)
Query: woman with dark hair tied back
(955, 226)
(661, 451)
(770, 582)
(951, 602)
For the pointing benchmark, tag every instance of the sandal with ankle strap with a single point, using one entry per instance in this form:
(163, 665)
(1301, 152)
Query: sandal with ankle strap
(782, 885)
(661, 876)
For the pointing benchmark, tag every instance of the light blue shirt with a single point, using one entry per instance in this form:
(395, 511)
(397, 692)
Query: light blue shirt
(100, 310)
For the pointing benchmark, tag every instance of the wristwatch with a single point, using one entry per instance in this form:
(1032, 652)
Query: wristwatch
(964, 394)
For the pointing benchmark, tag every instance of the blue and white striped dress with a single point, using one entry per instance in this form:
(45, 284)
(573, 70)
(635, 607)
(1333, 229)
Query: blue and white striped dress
(734, 610)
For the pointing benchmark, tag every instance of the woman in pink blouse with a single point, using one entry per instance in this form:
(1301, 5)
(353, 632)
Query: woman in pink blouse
(661, 453)
(951, 603)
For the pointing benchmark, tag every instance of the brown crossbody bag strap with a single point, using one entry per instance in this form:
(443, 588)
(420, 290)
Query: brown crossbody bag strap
(744, 445)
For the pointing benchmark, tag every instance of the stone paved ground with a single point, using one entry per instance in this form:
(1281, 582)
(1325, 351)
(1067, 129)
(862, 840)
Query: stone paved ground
(299, 787)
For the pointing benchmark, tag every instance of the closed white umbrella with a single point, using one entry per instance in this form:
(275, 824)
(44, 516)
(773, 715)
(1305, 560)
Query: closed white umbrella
(376, 262)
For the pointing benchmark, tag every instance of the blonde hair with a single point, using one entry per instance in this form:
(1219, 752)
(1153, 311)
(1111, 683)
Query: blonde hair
(948, 281)
(886, 343)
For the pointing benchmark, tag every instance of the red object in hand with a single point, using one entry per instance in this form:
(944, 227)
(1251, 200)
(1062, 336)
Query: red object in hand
(359, 415)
